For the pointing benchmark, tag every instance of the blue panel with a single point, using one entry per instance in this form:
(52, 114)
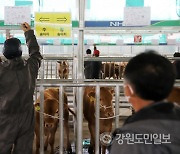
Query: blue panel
(103, 23)
(107, 23)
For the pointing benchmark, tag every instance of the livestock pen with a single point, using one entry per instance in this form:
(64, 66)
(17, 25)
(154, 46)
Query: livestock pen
(78, 88)
(74, 89)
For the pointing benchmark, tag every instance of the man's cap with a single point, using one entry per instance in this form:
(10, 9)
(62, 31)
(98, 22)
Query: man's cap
(96, 52)
(12, 48)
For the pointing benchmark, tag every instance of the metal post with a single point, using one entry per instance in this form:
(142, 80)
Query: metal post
(36, 91)
(8, 33)
(117, 106)
(51, 69)
(75, 109)
(97, 119)
(42, 109)
(47, 69)
(41, 119)
(61, 123)
(42, 71)
(79, 121)
(73, 48)
(56, 71)
(74, 75)
(81, 39)
(80, 74)
(80, 56)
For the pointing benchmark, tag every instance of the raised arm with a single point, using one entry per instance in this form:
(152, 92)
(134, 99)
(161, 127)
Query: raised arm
(33, 47)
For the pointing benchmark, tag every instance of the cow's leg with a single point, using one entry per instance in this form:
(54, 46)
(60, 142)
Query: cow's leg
(103, 149)
(46, 142)
(37, 140)
(91, 148)
(60, 74)
(37, 144)
(52, 138)
(51, 142)
(68, 145)
(103, 76)
(66, 76)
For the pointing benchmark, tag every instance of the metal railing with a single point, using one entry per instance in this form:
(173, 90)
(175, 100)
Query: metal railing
(79, 95)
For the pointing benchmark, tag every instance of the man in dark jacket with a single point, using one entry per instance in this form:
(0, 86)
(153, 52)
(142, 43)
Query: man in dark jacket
(154, 128)
(87, 66)
(96, 65)
(17, 83)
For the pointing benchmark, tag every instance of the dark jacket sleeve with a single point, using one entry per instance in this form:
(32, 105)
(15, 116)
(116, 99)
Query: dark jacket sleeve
(34, 52)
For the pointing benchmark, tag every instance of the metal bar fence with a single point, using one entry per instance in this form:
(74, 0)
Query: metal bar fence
(61, 123)
(97, 115)
(79, 95)
(79, 104)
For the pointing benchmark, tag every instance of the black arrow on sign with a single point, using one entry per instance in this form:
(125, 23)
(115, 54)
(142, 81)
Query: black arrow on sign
(62, 19)
(43, 19)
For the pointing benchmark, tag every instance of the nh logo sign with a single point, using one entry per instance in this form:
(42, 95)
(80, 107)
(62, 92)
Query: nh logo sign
(115, 24)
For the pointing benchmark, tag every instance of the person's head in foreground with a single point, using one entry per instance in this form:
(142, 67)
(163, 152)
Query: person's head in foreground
(148, 78)
(12, 48)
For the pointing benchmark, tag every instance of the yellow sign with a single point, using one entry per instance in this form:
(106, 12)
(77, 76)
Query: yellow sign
(48, 30)
(49, 24)
(53, 17)
(62, 32)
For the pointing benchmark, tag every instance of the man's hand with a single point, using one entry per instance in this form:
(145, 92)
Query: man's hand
(25, 27)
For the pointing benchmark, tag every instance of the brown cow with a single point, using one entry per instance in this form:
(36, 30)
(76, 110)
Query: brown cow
(63, 69)
(108, 70)
(114, 70)
(174, 95)
(106, 110)
(51, 107)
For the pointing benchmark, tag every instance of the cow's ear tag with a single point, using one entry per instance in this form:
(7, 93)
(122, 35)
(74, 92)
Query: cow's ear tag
(92, 99)
(37, 108)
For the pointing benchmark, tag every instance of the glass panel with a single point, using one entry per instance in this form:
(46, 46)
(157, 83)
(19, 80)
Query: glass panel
(60, 6)
(162, 10)
(99, 10)
(105, 10)
(5, 3)
(113, 9)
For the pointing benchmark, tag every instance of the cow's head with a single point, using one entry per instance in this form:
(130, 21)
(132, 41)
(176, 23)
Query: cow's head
(106, 106)
(63, 68)
(63, 64)
(50, 112)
